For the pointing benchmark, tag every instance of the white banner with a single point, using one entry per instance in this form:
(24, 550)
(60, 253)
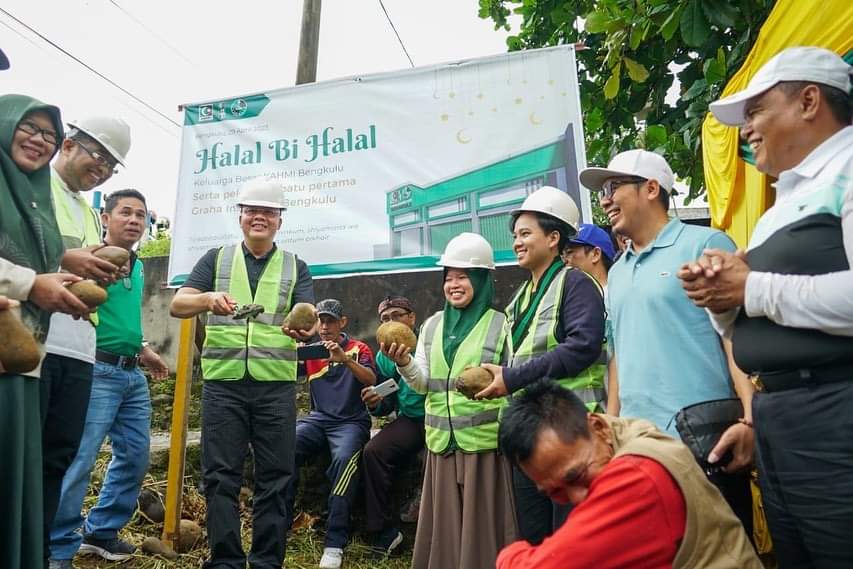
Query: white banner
(381, 171)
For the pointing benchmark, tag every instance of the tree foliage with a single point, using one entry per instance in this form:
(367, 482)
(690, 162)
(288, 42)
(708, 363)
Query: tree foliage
(635, 50)
(159, 246)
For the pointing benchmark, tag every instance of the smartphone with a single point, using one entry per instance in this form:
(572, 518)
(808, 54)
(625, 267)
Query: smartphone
(386, 388)
(312, 352)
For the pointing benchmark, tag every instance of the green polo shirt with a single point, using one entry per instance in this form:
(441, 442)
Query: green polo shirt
(120, 317)
(667, 352)
(409, 402)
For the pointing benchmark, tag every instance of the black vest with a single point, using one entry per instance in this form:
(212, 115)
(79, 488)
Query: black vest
(809, 246)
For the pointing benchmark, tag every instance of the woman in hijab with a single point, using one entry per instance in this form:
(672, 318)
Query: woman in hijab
(467, 510)
(30, 251)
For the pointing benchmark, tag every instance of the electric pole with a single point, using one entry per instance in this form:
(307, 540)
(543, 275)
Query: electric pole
(309, 42)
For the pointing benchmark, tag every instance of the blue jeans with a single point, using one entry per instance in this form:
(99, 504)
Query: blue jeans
(120, 406)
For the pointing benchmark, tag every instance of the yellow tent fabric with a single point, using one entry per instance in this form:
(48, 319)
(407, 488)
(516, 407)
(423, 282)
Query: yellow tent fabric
(737, 193)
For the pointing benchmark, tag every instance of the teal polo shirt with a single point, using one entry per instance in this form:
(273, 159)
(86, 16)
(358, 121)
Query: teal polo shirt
(667, 353)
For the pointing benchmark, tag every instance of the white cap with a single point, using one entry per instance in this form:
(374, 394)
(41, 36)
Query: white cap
(811, 64)
(641, 163)
(111, 133)
(260, 193)
(468, 251)
(556, 203)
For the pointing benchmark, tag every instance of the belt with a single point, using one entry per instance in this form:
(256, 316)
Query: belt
(124, 362)
(783, 380)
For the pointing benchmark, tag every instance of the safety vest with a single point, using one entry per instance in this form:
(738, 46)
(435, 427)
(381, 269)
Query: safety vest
(230, 346)
(472, 424)
(541, 338)
(74, 236)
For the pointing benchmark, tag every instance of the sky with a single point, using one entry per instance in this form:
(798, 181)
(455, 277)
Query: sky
(170, 53)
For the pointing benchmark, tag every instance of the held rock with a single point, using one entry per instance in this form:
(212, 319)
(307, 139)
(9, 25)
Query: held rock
(115, 255)
(473, 380)
(301, 317)
(89, 292)
(396, 332)
(19, 352)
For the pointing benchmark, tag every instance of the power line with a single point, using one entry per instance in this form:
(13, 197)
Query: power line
(92, 69)
(397, 34)
(142, 25)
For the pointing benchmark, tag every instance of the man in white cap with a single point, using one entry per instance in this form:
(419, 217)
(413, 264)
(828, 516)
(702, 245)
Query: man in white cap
(666, 354)
(249, 368)
(787, 303)
(86, 159)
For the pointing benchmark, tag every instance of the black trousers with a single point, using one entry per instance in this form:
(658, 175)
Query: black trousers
(236, 414)
(805, 466)
(395, 445)
(65, 384)
(538, 517)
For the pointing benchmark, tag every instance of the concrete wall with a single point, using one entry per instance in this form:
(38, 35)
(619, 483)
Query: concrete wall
(359, 294)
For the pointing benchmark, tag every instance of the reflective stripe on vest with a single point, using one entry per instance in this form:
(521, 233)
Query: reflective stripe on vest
(230, 346)
(472, 424)
(73, 236)
(541, 338)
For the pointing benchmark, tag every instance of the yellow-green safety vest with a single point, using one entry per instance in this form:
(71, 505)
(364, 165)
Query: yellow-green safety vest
(541, 338)
(447, 412)
(231, 346)
(74, 236)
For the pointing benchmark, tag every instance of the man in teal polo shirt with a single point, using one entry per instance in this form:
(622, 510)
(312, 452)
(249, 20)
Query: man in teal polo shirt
(667, 354)
(119, 406)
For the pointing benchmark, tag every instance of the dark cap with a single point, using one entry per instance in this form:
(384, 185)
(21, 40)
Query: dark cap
(4, 61)
(330, 307)
(395, 301)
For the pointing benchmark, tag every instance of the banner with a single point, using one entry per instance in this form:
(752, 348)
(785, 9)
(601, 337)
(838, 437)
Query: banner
(381, 171)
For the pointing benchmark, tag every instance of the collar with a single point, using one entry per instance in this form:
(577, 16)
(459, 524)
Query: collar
(666, 237)
(343, 340)
(817, 159)
(54, 174)
(247, 253)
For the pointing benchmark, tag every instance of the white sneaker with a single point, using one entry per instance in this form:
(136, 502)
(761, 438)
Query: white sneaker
(332, 558)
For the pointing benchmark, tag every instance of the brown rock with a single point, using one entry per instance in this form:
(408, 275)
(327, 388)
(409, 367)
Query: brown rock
(153, 546)
(19, 352)
(115, 255)
(302, 317)
(473, 380)
(396, 332)
(89, 292)
(190, 535)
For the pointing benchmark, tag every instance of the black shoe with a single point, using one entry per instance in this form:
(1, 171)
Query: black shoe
(113, 549)
(386, 542)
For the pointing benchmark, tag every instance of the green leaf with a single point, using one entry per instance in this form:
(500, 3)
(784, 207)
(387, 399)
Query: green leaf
(636, 37)
(694, 26)
(655, 136)
(611, 88)
(697, 88)
(721, 13)
(594, 119)
(636, 71)
(714, 71)
(596, 22)
(667, 29)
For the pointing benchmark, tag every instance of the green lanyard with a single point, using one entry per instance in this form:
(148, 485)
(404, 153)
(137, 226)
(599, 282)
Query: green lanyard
(522, 323)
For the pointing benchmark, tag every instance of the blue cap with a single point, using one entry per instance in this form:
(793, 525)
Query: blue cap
(594, 236)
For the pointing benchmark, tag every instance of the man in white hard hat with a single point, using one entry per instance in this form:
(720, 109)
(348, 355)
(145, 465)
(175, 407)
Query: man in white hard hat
(787, 303)
(249, 368)
(556, 321)
(86, 159)
(667, 355)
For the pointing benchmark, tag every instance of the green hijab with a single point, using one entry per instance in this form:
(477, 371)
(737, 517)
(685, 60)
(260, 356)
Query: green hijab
(458, 322)
(29, 235)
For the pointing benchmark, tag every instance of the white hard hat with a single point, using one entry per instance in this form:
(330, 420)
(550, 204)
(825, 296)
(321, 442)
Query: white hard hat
(260, 193)
(638, 163)
(809, 64)
(556, 203)
(111, 133)
(468, 251)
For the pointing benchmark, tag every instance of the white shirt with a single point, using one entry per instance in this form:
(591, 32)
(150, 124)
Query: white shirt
(822, 302)
(67, 337)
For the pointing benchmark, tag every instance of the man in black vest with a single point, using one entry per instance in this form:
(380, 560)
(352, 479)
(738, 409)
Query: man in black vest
(787, 304)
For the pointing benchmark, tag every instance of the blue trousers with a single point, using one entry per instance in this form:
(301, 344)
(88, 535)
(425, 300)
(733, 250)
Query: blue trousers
(344, 440)
(119, 407)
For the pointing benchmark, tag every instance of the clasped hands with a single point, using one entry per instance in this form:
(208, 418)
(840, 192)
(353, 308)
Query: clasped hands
(716, 280)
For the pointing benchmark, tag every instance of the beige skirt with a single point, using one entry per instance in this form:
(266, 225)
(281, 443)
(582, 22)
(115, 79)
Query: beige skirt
(467, 511)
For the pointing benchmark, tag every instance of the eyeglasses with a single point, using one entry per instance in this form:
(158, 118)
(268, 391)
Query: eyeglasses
(609, 187)
(102, 161)
(31, 128)
(263, 211)
(395, 316)
(575, 475)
